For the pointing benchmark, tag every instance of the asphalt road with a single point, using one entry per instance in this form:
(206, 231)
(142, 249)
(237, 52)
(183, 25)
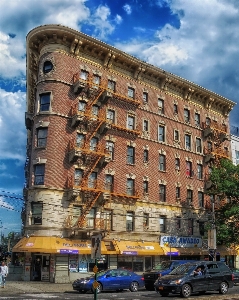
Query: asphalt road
(233, 294)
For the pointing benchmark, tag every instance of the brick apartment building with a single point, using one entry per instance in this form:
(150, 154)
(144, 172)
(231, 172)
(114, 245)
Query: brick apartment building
(116, 147)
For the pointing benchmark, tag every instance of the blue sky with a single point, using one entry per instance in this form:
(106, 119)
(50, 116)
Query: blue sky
(195, 39)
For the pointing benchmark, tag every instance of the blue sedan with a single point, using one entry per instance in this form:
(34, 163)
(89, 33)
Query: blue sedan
(117, 279)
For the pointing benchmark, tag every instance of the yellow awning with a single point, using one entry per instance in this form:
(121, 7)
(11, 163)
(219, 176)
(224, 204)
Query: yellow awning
(138, 248)
(182, 251)
(47, 244)
(223, 250)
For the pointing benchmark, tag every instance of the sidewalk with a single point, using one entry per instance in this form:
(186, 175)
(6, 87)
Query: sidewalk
(17, 287)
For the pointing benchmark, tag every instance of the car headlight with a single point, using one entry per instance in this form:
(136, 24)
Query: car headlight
(178, 281)
(85, 281)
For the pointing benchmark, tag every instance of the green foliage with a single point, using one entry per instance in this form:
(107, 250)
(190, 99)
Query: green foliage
(225, 184)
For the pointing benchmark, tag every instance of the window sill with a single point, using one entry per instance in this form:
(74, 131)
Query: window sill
(38, 147)
(130, 164)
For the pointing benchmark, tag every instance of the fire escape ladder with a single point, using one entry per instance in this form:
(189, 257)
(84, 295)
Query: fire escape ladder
(81, 222)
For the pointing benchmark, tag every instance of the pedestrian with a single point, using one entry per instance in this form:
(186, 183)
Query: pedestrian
(4, 273)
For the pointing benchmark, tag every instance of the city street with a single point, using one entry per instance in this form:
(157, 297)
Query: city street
(125, 295)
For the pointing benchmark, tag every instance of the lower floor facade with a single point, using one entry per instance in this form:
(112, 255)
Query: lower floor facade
(60, 260)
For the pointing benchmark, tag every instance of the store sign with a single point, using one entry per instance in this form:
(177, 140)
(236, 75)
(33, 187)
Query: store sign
(180, 241)
(129, 252)
(139, 247)
(68, 251)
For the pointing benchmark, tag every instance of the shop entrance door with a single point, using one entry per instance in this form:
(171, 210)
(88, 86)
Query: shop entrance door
(41, 268)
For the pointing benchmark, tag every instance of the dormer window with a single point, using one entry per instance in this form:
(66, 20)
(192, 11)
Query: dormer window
(47, 66)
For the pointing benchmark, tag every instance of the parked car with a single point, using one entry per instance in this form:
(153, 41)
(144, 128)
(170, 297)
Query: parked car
(163, 268)
(115, 279)
(215, 276)
(236, 275)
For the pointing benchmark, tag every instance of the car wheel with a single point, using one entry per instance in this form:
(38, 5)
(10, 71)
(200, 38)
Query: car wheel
(223, 288)
(164, 294)
(186, 291)
(98, 289)
(134, 286)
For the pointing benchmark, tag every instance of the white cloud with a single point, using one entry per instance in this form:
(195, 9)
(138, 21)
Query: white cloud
(12, 128)
(4, 204)
(118, 19)
(128, 9)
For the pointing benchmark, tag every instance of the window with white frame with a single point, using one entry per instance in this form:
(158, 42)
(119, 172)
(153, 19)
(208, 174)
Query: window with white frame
(200, 199)
(93, 144)
(197, 119)
(177, 192)
(96, 79)
(177, 163)
(161, 105)
(189, 171)
(145, 97)
(175, 109)
(84, 75)
(42, 137)
(146, 156)
(36, 210)
(111, 116)
(161, 133)
(145, 125)
(81, 106)
(186, 115)
(129, 221)
(162, 193)
(90, 217)
(110, 149)
(176, 135)
(45, 102)
(78, 177)
(198, 145)
(131, 122)
(162, 162)
(187, 141)
(208, 121)
(130, 155)
(189, 196)
(80, 139)
(92, 180)
(39, 174)
(130, 186)
(145, 187)
(145, 220)
(109, 182)
(237, 157)
(111, 85)
(131, 92)
(199, 171)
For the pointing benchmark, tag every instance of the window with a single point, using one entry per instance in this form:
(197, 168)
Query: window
(145, 220)
(41, 137)
(162, 162)
(189, 172)
(175, 109)
(177, 163)
(177, 192)
(237, 157)
(198, 145)
(96, 79)
(186, 115)
(199, 171)
(162, 193)
(107, 219)
(111, 85)
(146, 156)
(131, 92)
(187, 142)
(82, 106)
(200, 199)
(161, 105)
(36, 208)
(178, 222)
(145, 187)
(162, 224)
(176, 135)
(110, 148)
(93, 144)
(80, 138)
(161, 133)
(197, 119)
(84, 75)
(78, 176)
(109, 182)
(130, 187)
(145, 97)
(90, 217)
(209, 146)
(189, 196)
(146, 125)
(190, 226)
(45, 100)
(131, 122)
(130, 221)
(95, 110)
(130, 155)
(201, 228)
(111, 116)
(208, 121)
(92, 180)
(47, 66)
(39, 174)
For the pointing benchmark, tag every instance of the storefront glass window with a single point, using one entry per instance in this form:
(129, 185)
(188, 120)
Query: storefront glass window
(83, 263)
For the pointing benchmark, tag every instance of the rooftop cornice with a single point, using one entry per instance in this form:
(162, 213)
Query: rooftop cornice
(77, 42)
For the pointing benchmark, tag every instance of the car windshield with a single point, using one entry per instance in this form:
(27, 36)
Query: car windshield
(163, 266)
(183, 269)
(100, 273)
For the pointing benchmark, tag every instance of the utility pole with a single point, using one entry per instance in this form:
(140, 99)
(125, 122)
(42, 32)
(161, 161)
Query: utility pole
(212, 235)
